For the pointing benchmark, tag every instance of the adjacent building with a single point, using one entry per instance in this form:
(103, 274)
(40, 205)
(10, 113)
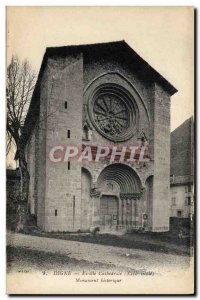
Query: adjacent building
(182, 170)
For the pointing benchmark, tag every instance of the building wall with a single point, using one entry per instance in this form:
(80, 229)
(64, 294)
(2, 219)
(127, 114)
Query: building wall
(86, 201)
(179, 201)
(182, 169)
(63, 183)
(30, 155)
(161, 187)
(109, 69)
(64, 201)
(32, 152)
(93, 71)
(41, 147)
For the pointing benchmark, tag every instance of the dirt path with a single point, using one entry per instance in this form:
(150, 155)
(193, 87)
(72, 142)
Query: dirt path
(120, 257)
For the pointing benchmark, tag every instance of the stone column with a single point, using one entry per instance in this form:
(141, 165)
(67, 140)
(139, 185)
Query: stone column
(132, 213)
(135, 211)
(119, 212)
(124, 214)
(128, 213)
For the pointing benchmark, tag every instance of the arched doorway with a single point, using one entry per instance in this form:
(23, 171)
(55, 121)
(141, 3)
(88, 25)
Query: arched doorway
(120, 188)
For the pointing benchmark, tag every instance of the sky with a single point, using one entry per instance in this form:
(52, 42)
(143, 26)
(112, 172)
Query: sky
(163, 36)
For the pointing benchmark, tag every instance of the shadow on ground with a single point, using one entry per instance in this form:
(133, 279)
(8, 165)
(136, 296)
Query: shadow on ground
(157, 242)
(26, 260)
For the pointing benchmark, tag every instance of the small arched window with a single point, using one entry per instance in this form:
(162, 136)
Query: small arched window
(85, 132)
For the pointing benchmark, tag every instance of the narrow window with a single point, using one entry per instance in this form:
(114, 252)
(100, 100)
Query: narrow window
(65, 104)
(68, 134)
(179, 213)
(68, 166)
(56, 213)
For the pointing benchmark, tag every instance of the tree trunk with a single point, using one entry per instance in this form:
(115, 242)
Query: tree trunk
(22, 207)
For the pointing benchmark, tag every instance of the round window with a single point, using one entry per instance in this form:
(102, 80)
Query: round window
(113, 112)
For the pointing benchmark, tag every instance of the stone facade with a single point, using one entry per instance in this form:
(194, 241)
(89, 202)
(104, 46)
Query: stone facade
(77, 195)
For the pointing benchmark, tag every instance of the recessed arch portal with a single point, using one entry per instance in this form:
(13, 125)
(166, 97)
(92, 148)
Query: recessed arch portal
(126, 178)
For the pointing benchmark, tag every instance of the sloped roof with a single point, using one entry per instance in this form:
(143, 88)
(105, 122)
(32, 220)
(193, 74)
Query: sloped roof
(182, 150)
(119, 48)
(123, 50)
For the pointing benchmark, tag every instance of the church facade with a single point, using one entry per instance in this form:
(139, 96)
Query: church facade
(99, 95)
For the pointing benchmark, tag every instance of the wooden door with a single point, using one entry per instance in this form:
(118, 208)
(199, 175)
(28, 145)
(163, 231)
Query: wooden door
(108, 212)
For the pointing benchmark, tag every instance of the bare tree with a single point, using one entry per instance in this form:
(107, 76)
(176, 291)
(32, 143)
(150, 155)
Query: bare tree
(9, 143)
(20, 85)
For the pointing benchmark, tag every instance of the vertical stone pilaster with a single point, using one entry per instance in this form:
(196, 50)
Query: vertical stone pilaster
(119, 212)
(161, 183)
(124, 214)
(135, 212)
(132, 212)
(128, 212)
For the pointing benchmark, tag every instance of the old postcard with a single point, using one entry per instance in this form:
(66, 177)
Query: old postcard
(100, 150)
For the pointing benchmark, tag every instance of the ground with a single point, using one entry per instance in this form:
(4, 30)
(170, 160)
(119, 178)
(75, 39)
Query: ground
(167, 242)
(28, 252)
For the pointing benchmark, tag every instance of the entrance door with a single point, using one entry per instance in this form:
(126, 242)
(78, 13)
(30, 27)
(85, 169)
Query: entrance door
(108, 213)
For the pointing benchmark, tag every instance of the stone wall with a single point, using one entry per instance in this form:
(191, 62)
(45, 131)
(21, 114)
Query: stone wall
(63, 182)
(62, 196)
(121, 74)
(108, 69)
(31, 162)
(161, 186)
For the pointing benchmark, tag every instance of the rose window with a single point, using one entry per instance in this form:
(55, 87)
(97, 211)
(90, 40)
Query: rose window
(113, 112)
